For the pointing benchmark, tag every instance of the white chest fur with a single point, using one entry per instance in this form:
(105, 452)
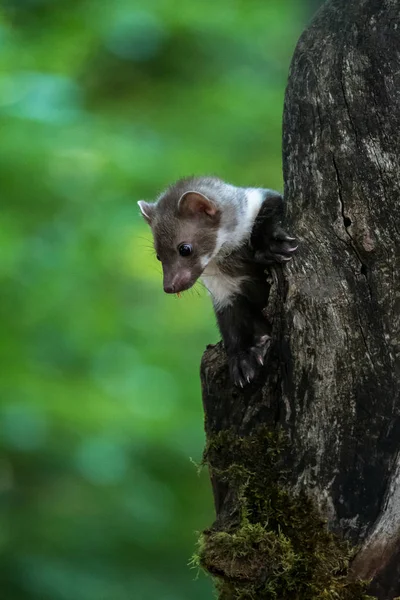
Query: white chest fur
(222, 288)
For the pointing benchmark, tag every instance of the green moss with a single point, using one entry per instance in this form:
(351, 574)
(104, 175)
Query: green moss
(267, 542)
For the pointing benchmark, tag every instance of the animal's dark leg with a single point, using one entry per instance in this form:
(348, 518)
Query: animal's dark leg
(245, 336)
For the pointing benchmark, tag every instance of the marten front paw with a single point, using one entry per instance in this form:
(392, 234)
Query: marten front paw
(279, 248)
(245, 365)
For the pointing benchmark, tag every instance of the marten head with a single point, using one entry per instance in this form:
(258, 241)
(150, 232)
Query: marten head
(185, 228)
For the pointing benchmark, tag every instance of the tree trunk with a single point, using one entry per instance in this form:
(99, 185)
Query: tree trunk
(318, 436)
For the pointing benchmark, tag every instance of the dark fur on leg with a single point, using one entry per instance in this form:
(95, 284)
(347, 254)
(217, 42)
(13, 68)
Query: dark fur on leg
(246, 340)
(244, 330)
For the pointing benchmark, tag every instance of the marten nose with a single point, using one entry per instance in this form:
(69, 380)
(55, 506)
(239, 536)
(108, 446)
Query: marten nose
(169, 288)
(179, 282)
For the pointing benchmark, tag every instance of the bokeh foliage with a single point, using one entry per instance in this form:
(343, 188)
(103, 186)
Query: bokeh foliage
(101, 104)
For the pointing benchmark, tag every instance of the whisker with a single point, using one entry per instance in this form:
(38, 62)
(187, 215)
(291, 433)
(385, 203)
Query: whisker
(147, 245)
(196, 288)
(193, 291)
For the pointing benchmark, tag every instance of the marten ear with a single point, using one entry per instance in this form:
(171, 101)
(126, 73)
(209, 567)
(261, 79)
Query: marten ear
(147, 210)
(193, 203)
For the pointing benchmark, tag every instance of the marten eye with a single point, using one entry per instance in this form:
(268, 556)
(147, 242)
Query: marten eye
(185, 249)
(158, 257)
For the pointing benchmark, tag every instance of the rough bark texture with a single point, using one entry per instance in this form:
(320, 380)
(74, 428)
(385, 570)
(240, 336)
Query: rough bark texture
(332, 378)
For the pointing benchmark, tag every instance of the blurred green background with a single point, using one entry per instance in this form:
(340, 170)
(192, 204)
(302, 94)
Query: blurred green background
(102, 104)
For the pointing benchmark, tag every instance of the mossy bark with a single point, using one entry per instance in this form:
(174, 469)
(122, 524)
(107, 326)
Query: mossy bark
(330, 388)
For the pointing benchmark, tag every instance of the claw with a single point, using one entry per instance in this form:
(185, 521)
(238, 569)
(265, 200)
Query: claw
(244, 366)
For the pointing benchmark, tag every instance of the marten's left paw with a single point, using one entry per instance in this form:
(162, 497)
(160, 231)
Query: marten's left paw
(245, 365)
(279, 248)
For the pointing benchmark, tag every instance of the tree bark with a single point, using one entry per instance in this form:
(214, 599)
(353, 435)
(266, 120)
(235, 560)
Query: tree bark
(331, 382)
